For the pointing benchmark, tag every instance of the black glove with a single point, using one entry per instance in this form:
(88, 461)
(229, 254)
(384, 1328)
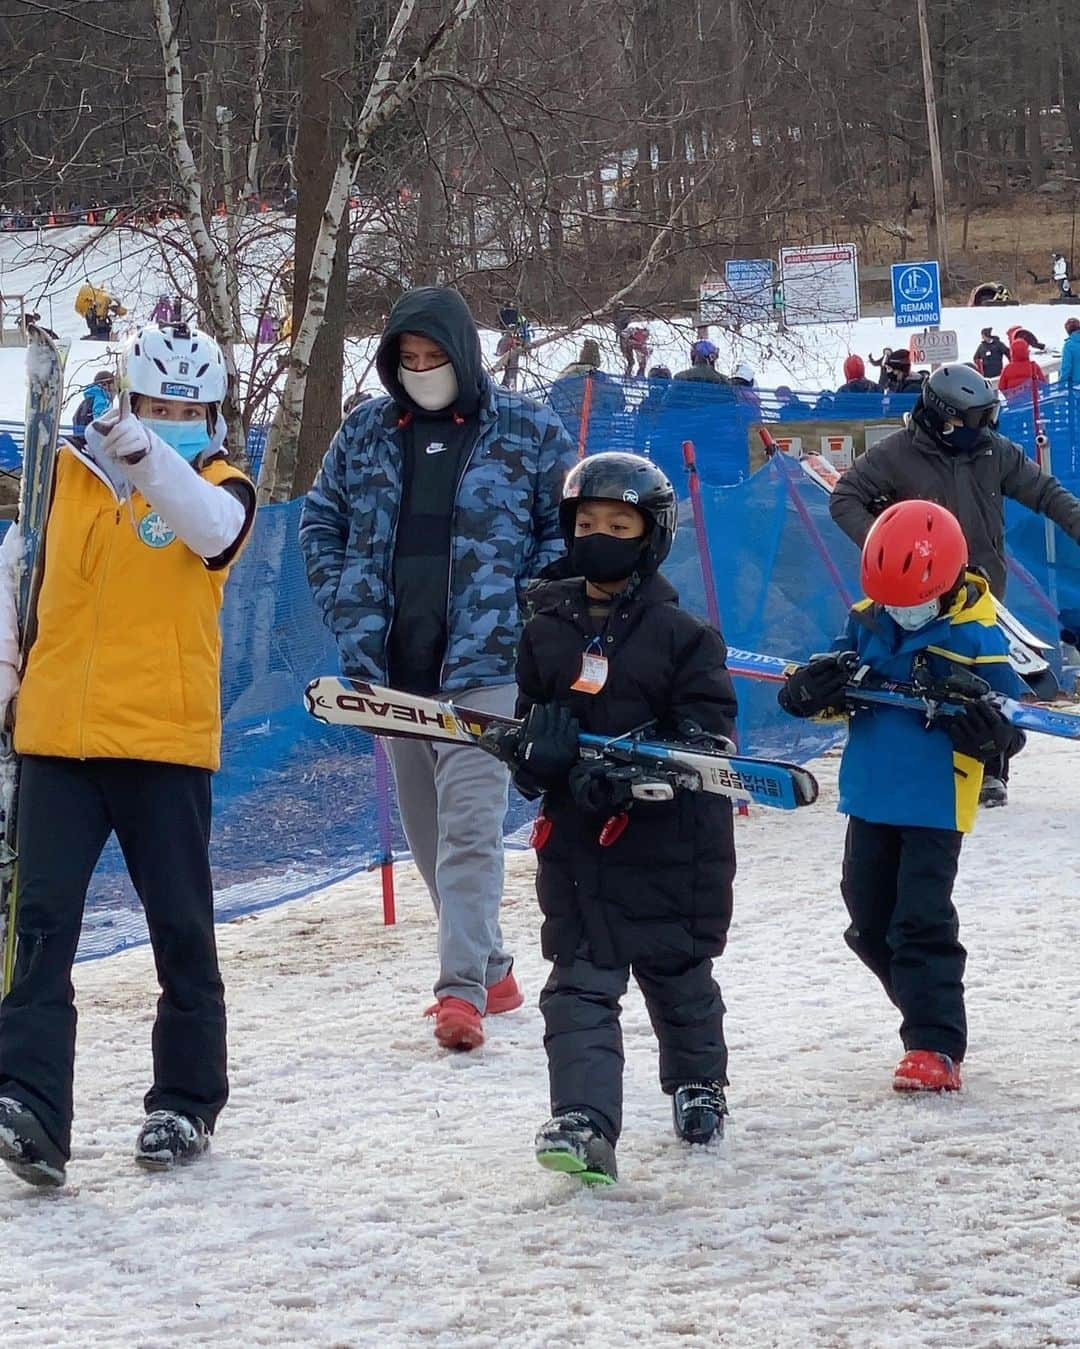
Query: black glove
(504, 742)
(818, 686)
(603, 789)
(688, 732)
(549, 743)
(981, 732)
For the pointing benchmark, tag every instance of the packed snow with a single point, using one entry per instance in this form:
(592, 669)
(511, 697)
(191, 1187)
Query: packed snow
(366, 1188)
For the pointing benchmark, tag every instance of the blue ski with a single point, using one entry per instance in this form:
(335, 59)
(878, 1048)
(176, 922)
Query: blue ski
(666, 767)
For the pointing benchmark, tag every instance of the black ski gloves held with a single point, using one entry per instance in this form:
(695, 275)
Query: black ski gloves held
(981, 732)
(818, 686)
(602, 788)
(549, 744)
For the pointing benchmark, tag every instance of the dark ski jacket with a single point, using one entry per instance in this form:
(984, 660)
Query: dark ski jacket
(912, 464)
(504, 515)
(990, 356)
(663, 889)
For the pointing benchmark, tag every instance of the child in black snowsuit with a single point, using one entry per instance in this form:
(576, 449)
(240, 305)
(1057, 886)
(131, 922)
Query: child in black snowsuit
(646, 889)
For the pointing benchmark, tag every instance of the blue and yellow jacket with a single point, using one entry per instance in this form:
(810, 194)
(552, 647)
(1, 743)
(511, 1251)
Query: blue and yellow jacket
(895, 770)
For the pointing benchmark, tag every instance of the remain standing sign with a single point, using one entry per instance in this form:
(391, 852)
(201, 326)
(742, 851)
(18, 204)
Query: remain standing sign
(916, 294)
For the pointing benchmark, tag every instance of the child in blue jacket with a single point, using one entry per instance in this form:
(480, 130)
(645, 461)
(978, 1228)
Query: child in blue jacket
(910, 790)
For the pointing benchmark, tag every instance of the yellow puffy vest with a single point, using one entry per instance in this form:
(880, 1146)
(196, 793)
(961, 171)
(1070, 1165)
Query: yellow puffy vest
(127, 659)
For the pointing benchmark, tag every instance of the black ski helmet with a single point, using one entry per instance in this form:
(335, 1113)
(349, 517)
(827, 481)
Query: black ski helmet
(616, 476)
(958, 393)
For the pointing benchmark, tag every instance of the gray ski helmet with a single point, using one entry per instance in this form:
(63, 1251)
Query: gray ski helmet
(958, 393)
(616, 476)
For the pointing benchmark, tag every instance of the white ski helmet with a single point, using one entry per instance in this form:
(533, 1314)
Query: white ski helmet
(174, 362)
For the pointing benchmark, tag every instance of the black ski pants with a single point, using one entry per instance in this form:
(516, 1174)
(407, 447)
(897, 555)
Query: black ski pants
(161, 816)
(583, 1038)
(897, 884)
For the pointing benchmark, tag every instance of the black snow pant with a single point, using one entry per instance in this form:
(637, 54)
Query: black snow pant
(897, 884)
(161, 816)
(583, 1038)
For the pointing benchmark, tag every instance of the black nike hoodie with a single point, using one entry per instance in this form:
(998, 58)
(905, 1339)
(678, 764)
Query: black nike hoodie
(435, 450)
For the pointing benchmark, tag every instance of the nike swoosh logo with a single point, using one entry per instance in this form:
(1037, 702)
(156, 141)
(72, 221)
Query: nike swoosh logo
(436, 447)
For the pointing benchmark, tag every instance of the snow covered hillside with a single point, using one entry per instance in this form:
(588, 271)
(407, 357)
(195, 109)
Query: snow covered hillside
(366, 1189)
(49, 273)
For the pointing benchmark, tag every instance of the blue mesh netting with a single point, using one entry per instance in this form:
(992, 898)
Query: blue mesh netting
(296, 806)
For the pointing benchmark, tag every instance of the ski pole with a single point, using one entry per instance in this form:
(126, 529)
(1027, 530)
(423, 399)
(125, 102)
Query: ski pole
(1042, 458)
(775, 453)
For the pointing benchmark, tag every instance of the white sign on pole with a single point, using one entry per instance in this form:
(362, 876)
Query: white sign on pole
(937, 346)
(820, 283)
(714, 300)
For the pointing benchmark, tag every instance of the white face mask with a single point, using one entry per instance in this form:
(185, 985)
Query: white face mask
(432, 390)
(912, 617)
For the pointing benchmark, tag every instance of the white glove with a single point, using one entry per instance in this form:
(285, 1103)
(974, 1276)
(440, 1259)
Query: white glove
(9, 687)
(126, 441)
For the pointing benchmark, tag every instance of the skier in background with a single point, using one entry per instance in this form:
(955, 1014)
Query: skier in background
(1061, 276)
(702, 367)
(634, 347)
(143, 529)
(650, 890)
(1021, 373)
(96, 400)
(906, 826)
(990, 355)
(855, 376)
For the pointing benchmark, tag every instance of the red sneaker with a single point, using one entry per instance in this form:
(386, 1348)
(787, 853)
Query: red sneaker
(925, 1070)
(458, 1024)
(504, 996)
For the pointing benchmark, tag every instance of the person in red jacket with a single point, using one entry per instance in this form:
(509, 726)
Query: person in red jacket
(1020, 373)
(855, 375)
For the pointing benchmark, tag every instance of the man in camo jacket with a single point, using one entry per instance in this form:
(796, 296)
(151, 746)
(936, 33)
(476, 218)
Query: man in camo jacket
(433, 509)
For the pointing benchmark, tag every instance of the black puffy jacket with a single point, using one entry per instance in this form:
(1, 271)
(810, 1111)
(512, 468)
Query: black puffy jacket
(973, 484)
(664, 887)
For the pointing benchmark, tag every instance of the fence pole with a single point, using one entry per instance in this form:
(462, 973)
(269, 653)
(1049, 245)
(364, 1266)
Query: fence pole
(708, 579)
(386, 842)
(776, 454)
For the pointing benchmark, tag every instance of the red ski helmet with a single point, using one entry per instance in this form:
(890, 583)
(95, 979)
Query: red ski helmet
(915, 551)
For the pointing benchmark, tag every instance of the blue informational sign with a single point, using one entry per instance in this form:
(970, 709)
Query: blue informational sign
(750, 281)
(916, 294)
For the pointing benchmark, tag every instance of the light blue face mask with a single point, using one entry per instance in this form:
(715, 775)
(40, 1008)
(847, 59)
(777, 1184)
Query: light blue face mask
(912, 617)
(188, 439)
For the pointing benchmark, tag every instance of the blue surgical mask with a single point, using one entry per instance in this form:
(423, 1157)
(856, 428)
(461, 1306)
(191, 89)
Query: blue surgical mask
(188, 439)
(912, 617)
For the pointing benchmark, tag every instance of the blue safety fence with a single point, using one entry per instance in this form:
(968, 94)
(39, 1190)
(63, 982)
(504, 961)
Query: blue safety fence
(296, 804)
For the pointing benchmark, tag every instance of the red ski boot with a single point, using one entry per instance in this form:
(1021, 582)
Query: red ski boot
(926, 1070)
(504, 996)
(458, 1024)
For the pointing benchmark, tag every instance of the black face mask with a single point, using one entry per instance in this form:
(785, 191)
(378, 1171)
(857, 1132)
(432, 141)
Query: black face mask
(602, 557)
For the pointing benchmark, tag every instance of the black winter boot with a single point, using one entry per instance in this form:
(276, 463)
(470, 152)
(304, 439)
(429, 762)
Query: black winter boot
(26, 1148)
(698, 1109)
(573, 1144)
(169, 1139)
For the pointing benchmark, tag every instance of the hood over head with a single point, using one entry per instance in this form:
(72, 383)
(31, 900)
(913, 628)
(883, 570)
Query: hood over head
(438, 313)
(854, 367)
(1019, 351)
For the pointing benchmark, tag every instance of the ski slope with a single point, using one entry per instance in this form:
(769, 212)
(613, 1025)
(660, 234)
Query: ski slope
(136, 268)
(367, 1189)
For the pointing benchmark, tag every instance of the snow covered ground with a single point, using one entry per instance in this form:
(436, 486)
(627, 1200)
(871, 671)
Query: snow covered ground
(50, 271)
(367, 1189)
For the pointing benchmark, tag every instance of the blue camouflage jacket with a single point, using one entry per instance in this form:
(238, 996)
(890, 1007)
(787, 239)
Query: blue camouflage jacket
(505, 531)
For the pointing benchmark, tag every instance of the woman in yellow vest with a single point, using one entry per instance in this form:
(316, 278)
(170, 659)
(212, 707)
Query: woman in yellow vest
(118, 725)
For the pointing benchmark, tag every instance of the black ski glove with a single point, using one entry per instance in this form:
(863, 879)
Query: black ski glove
(688, 732)
(549, 744)
(817, 686)
(603, 789)
(981, 732)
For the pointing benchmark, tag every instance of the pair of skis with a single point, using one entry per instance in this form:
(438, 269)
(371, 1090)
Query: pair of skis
(931, 698)
(44, 401)
(666, 767)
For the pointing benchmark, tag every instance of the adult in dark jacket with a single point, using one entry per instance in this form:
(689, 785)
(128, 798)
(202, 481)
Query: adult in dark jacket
(702, 367)
(991, 354)
(433, 510)
(898, 375)
(951, 453)
(655, 897)
(855, 377)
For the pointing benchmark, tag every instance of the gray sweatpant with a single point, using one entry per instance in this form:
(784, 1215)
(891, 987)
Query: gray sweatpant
(452, 800)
